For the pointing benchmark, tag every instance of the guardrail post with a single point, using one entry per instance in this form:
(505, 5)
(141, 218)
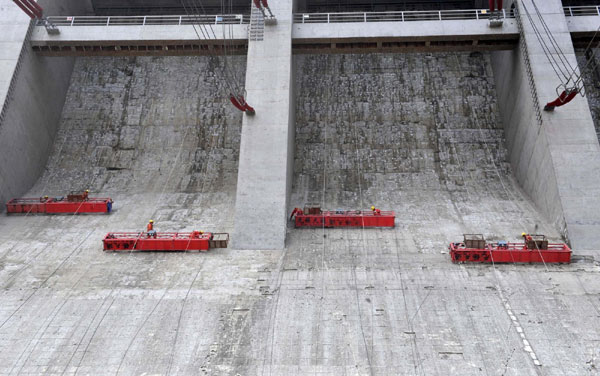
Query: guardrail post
(402, 16)
(327, 18)
(440, 14)
(179, 20)
(504, 13)
(107, 21)
(365, 16)
(476, 14)
(144, 22)
(72, 20)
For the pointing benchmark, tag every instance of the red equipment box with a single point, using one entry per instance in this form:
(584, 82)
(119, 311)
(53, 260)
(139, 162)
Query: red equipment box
(502, 252)
(58, 205)
(164, 241)
(342, 218)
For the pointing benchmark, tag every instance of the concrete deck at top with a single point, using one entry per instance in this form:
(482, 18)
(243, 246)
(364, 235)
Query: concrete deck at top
(303, 35)
(146, 33)
(583, 25)
(313, 31)
(409, 30)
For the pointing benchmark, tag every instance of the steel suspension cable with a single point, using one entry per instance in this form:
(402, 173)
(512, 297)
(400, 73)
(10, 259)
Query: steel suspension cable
(553, 41)
(553, 61)
(591, 60)
(197, 7)
(228, 81)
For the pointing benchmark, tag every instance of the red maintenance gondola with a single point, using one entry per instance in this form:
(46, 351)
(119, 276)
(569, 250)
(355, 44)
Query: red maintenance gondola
(164, 241)
(72, 204)
(535, 249)
(313, 216)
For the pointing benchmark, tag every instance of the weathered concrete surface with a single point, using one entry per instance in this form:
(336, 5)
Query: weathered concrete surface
(557, 162)
(380, 302)
(589, 64)
(265, 172)
(150, 126)
(421, 135)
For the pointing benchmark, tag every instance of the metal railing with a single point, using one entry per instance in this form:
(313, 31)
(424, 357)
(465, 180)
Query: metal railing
(427, 15)
(232, 19)
(582, 11)
(226, 19)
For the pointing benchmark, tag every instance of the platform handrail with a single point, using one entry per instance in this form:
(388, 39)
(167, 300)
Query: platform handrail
(53, 199)
(356, 212)
(397, 16)
(159, 235)
(224, 19)
(511, 247)
(585, 10)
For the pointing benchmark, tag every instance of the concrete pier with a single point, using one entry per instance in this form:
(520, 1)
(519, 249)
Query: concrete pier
(266, 150)
(556, 160)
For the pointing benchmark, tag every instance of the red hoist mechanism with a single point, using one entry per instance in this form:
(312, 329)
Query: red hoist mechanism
(74, 203)
(534, 249)
(564, 97)
(34, 11)
(150, 240)
(313, 216)
(263, 6)
(240, 103)
(496, 13)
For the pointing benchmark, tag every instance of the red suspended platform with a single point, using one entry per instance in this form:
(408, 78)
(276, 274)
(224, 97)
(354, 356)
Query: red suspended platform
(535, 249)
(313, 216)
(72, 204)
(164, 241)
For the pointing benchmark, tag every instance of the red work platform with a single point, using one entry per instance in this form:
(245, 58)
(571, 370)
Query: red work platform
(315, 217)
(164, 241)
(59, 205)
(502, 252)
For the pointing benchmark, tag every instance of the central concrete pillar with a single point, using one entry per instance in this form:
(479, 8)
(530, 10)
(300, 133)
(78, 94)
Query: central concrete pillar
(557, 159)
(266, 150)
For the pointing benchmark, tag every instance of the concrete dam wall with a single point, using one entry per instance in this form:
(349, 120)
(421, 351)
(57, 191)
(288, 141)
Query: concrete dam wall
(148, 126)
(420, 134)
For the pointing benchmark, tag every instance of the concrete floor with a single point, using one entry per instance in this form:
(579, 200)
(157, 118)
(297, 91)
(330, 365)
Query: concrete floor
(335, 302)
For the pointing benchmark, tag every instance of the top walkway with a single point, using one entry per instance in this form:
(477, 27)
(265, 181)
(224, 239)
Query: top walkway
(312, 32)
